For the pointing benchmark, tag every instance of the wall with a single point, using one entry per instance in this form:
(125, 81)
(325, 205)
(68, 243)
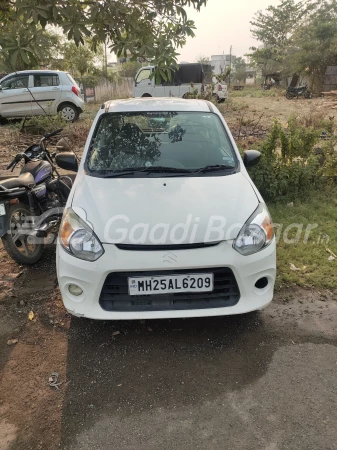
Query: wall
(105, 90)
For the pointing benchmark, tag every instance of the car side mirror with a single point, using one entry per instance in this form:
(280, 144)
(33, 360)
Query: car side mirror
(67, 161)
(251, 158)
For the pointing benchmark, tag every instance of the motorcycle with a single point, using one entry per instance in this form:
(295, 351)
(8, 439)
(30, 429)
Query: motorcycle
(31, 205)
(297, 92)
(266, 86)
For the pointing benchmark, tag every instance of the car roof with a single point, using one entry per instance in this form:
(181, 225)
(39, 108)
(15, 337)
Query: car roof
(35, 71)
(157, 104)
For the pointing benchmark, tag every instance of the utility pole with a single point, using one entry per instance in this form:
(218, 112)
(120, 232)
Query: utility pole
(105, 59)
(230, 66)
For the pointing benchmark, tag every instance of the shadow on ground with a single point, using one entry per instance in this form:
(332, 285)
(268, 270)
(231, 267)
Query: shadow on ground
(158, 364)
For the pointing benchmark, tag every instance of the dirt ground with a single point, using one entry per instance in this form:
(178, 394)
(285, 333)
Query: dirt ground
(275, 108)
(259, 381)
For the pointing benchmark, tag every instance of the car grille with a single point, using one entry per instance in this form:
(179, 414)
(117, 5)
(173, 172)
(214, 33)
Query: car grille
(115, 297)
(151, 248)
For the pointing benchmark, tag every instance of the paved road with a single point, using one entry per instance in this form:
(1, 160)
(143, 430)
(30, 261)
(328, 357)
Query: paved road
(263, 381)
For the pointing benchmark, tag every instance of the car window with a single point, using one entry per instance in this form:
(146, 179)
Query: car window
(72, 80)
(171, 139)
(143, 75)
(46, 80)
(15, 82)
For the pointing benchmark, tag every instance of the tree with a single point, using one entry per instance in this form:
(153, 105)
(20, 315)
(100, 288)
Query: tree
(152, 29)
(202, 59)
(81, 59)
(303, 40)
(240, 69)
(274, 27)
(130, 69)
(28, 49)
(315, 42)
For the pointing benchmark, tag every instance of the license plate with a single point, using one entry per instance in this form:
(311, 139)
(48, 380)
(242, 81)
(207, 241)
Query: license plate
(171, 284)
(2, 209)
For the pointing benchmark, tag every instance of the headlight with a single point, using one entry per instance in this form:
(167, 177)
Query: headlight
(78, 239)
(256, 234)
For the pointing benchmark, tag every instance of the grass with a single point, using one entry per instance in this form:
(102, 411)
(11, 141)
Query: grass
(310, 257)
(257, 92)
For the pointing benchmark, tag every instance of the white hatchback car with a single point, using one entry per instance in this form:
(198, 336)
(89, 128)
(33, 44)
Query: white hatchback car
(36, 92)
(163, 219)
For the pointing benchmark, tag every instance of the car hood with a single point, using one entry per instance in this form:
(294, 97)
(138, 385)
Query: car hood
(170, 210)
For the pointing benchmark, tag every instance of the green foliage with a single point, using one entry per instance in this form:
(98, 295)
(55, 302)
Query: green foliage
(291, 166)
(41, 124)
(78, 58)
(27, 48)
(254, 92)
(205, 94)
(240, 68)
(310, 256)
(274, 27)
(130, 69)
(147, 29)
(317, 41)
(298, 37)
(223, 76)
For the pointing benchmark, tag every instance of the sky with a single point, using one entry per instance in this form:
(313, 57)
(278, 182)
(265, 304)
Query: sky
(220, 24)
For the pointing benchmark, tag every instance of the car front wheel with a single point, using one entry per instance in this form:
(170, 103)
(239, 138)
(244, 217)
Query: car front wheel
(69, 112)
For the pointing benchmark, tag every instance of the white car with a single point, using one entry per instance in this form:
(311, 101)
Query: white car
(146, 84)
(39, 92)
(220, 92)
(163, 220)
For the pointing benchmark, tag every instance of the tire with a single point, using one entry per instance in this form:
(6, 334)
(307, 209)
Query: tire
(19, 249)
(69, 112)
(290, 96)
(216, 98)
(146, 95)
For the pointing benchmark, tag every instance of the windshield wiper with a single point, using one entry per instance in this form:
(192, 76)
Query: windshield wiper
(214, 168)
(133, 171)
(166, 169)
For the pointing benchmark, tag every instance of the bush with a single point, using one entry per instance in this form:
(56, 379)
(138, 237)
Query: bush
(41, 124)
(257, 92)
(291, 164)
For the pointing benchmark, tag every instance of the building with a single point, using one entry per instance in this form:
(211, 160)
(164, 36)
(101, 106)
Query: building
(220, 63)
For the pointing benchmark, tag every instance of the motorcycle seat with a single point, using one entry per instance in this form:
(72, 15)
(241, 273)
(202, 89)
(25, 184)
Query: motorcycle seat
(23, 180)
(295, 89)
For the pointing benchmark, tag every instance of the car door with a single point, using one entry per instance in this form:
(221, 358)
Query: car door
(15, 98)
(46, 91)
(143, 83)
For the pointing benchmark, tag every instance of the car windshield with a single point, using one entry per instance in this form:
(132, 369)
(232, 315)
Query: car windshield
(151, 142)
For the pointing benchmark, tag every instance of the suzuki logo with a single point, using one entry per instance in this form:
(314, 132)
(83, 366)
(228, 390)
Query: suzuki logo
(170, 258)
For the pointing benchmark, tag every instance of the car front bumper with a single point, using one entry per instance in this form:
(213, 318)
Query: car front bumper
(91, 276)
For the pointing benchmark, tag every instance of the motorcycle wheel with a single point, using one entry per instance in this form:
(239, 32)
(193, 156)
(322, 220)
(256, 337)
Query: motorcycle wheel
(18, 245)
(290, 96)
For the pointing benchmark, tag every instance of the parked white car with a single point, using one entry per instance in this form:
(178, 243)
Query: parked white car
(163, 219)
(23, 93)
(180, 86)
